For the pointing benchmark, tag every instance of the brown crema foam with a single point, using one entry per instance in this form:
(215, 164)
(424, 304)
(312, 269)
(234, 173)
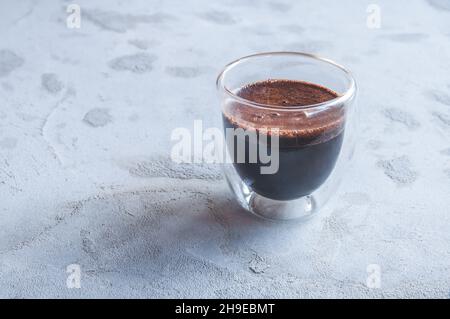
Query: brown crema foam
(296, 126)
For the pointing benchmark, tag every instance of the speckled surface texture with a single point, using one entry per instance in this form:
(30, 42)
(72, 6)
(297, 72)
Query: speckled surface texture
(85, 122)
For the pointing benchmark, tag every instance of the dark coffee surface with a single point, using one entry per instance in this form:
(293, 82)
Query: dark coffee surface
(306, 126)
(286, 93)
(309, 140)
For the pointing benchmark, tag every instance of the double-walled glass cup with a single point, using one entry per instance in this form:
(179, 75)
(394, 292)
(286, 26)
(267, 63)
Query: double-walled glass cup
(285, 162)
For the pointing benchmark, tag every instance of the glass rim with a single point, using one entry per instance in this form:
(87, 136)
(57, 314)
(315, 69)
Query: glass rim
(341, 99)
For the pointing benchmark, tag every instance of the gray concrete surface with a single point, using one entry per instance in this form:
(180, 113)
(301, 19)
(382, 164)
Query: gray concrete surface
(85, 122)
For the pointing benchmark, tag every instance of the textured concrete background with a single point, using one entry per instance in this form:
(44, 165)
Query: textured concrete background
(85, 122)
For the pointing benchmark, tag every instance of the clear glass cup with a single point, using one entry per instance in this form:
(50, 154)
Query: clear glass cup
(313, 144)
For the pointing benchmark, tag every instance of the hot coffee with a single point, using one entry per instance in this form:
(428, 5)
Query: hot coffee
(309, 140)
